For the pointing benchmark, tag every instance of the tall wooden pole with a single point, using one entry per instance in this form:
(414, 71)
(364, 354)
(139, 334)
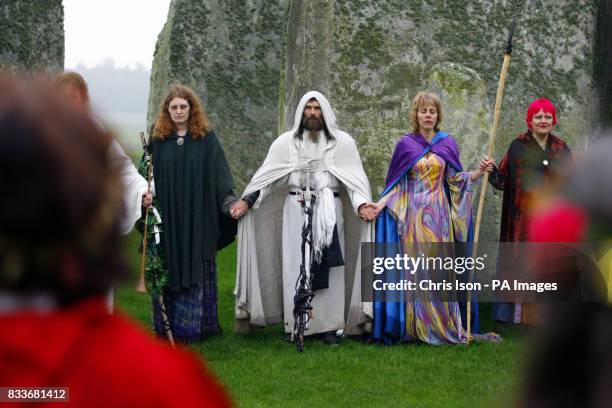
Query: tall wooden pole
(485, 181)
(141, 287)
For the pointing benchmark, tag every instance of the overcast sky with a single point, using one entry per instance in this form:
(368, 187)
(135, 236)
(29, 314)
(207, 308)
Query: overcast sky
(122, 30)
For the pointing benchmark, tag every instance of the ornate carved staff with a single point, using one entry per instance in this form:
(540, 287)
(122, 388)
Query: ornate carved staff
(302, 308)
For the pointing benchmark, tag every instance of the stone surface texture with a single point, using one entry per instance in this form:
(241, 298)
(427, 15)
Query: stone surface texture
(603, 66)
(229, 52)
(252, 60)
(31, 35)
(371, 57)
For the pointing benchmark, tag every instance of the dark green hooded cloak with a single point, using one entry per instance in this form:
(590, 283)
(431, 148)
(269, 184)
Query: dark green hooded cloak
(194, 186)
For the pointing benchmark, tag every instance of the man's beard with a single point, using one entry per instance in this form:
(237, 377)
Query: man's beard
(312, 123)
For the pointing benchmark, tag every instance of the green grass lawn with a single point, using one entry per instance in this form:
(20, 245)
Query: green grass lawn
(261, 370)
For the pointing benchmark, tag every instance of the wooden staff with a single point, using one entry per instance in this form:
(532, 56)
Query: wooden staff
(141, 287)
(483, 190)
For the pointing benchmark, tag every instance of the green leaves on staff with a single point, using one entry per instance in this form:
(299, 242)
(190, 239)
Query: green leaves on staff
(156, 276)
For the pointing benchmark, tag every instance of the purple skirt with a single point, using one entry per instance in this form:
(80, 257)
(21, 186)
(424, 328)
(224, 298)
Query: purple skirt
(192, 313)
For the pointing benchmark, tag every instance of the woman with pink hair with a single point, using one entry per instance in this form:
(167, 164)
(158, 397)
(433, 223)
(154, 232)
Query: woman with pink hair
(534, 161)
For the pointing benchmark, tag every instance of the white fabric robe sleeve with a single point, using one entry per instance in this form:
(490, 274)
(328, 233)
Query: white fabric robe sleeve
(263, 193)
(134, 186)
(347, 167)
(357, 199)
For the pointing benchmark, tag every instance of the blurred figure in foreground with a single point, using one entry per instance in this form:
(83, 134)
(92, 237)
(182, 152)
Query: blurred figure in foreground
(571, 362)
(73, 88)
(59, 254)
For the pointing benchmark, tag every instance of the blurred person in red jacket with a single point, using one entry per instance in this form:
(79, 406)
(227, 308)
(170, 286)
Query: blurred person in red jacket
(59, 254)
(570, 362)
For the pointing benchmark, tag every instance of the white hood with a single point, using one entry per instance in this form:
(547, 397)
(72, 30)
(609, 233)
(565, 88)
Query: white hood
(326, 110)
(343, 162)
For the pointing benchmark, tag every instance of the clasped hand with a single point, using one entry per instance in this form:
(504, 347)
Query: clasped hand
(239, 209)
(367, 211)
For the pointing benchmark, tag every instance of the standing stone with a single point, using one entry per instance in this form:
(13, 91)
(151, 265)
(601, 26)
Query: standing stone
(31, 35)
(465, 106)
(603, 66)
(229, 52)
(374, 56)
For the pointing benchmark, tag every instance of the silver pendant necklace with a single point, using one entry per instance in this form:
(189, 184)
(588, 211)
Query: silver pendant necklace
(180, 140)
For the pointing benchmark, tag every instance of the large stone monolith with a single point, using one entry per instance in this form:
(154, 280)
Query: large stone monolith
(31, 36)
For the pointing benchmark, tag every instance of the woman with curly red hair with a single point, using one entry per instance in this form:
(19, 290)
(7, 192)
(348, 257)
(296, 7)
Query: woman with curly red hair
(194, 188)
(534, 160)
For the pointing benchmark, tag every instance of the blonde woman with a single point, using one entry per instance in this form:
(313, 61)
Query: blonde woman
(428, 198)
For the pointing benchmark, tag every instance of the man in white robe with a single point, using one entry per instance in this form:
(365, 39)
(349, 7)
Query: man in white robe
(314, 155)
(135, 188)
